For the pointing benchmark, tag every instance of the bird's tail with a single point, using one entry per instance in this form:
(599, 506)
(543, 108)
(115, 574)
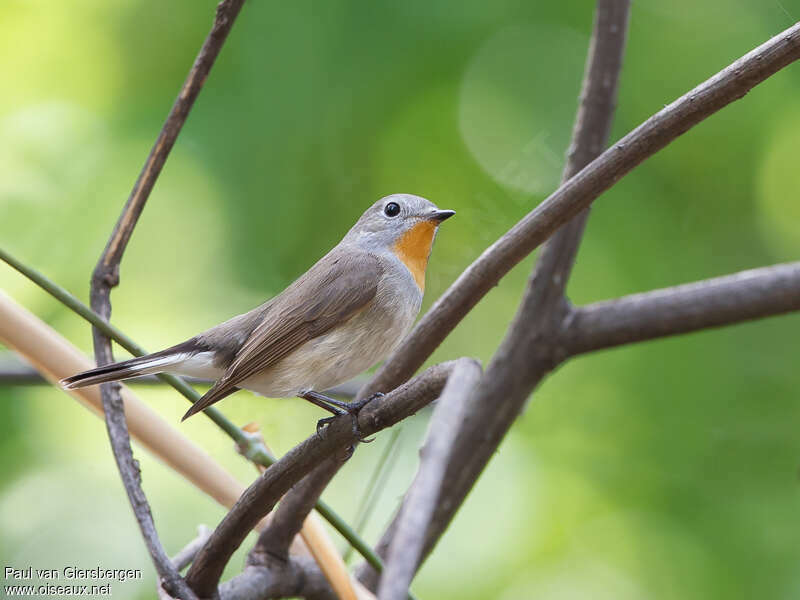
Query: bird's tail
(143, 365)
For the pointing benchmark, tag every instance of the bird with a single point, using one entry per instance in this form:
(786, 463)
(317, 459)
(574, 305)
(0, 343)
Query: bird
(341, 317)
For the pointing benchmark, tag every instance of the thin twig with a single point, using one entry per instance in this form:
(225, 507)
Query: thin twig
(405, 551)
(715, 302)
(529, 335)
(578, 193)
(261, 496)
(185, 557)
(106, 276)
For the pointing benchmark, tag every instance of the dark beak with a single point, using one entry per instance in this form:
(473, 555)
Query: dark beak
(441, 215)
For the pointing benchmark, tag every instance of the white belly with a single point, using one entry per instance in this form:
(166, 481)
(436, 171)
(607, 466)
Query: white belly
(336, 356)
(332, 358)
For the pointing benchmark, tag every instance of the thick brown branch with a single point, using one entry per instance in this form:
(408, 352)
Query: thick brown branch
(529, 338)
(578, 193)
(300, 577)
(273, 543)
(715, 302)
(261, 496)
(106, 276)
(452, 409)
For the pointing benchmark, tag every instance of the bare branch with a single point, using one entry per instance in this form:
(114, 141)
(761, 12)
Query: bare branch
(298, 578)
(590, 133)
(445, 425)
(530, 335)
(185, 557)
(226, 14)
(715, 302)
(106, 276)
(261, 496)
(292, 511)
(578, 193)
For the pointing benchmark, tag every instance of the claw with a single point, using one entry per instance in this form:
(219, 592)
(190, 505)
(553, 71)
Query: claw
(354, 408)
(348, 453)
(322, 424)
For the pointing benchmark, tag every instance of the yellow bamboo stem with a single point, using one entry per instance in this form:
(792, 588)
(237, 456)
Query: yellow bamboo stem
(55, 358)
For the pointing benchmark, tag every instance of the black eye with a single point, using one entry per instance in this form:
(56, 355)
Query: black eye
(392, 209)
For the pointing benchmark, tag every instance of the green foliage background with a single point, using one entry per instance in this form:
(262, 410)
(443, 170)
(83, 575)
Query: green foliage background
(663, 471)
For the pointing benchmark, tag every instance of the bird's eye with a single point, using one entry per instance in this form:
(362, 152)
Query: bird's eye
(392, 209)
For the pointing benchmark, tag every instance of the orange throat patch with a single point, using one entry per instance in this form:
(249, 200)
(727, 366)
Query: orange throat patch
(414, 248)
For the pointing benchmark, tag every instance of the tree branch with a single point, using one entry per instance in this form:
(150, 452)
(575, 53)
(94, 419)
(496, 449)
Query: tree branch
(529, 336)
(578, 193)
(261, 496)
(590, 133)
(292, 511)
(185, 557)
(298, 578)
(405, 551)
(684, 308)
(106, 276)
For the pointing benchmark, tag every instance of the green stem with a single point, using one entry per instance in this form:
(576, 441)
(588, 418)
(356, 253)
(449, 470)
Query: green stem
(372, 490)
(250, 445)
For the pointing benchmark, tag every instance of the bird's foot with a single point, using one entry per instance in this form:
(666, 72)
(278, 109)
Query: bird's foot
(353, 408)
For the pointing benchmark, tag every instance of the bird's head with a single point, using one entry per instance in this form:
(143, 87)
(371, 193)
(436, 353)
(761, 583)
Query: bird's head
(404, 225)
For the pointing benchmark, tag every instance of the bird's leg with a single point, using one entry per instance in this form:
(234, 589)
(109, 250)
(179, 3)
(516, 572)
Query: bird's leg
(322, 401)
(337, 407)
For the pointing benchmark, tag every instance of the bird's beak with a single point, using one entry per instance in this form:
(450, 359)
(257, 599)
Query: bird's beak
(441, 215)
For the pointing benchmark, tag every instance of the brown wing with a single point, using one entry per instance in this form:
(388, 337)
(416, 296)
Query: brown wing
(330, 293)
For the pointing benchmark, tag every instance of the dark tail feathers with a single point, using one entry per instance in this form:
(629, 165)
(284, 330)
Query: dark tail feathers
(143, 365)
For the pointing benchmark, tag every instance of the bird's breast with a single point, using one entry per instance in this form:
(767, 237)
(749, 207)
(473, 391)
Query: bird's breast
(413, 248)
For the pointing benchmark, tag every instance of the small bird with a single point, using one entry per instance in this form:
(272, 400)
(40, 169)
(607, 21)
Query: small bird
(345, 314)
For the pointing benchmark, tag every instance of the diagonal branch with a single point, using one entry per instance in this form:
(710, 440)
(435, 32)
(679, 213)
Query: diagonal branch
(261, 496)
(578, 193)
(226, 14)
(543, 303)
(275, 539)
(590, 133)
(106, 276)
(684, 308)
(405, 551)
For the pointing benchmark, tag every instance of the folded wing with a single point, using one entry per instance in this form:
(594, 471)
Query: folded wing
(335, 289)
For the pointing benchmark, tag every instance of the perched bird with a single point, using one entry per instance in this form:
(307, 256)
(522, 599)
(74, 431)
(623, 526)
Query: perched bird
(345, 314)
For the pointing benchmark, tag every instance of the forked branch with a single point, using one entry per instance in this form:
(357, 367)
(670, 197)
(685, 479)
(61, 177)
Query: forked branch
(578, 193)
(543, 302)
(684, 308)
(260, 498)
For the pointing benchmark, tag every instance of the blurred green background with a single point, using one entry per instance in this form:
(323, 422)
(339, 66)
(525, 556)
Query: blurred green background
(667, 470)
